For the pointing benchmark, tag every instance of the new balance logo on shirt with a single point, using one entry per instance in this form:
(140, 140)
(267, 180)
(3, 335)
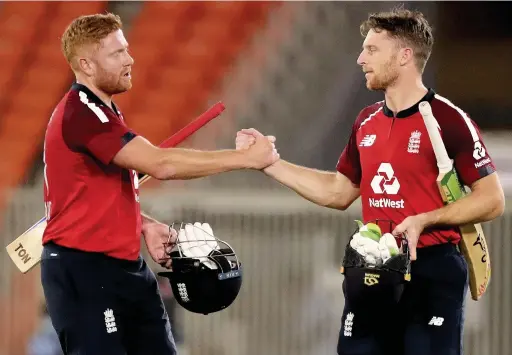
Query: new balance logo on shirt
(368, 140)
(436, 321)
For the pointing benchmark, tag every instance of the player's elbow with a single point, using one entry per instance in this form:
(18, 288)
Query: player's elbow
(162, 169)
(489, 197)
(163, 173)
(338, 204)
(341, 193)
(494, 206)
(497, 205)
(339, 207)
(337, 201)
(159, 166)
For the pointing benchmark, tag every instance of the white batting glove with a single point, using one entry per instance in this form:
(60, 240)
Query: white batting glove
(390, 242)
(367, 248)
(197, 241)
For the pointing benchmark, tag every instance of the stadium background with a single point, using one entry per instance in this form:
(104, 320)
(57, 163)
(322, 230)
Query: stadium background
(288, 69)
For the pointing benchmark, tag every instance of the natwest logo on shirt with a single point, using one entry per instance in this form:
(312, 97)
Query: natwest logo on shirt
(479, 151)
(386, 182)
(386, 202)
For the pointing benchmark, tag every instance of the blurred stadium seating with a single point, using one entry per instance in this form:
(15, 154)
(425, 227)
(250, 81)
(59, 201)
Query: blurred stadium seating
(183, 50)
(286, 68)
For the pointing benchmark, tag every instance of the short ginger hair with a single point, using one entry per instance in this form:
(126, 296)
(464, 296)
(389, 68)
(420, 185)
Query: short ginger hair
(87, 30)
(410, 27)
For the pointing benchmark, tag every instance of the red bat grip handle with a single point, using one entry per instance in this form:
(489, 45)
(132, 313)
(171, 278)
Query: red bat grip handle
(193, 126)
(190, 129)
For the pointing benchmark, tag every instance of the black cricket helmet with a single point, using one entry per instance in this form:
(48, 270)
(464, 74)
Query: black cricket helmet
(206, 274)
(384, 281)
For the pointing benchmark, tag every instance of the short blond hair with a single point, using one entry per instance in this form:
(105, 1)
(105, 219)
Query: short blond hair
(87, 30)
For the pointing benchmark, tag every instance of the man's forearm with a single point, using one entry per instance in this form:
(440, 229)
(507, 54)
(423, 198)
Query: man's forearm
(473, 208)
(319, 187)
(195, 164)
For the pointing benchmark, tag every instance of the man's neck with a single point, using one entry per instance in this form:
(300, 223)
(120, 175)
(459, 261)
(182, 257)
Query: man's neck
(404, 94)
(107, 99)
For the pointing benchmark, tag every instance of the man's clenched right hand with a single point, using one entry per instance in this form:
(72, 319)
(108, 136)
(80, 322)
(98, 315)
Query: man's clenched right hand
(259, 149)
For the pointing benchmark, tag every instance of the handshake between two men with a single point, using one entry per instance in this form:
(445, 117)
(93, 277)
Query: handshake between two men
(323, 188)
(253, 140)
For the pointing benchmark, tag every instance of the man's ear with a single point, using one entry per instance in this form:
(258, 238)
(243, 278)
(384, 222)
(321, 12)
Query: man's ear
(406, 55)
(85, 65)
(84, 59)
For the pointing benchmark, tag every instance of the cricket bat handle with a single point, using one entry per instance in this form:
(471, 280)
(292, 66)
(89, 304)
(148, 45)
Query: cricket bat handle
(444, 162)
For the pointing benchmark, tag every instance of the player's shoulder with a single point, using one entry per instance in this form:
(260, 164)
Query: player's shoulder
(452, 118)
(445, 110)
(82, 102)
(368, 112)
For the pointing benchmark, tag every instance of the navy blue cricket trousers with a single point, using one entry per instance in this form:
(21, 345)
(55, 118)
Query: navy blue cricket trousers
(429, 318)
(104, 306)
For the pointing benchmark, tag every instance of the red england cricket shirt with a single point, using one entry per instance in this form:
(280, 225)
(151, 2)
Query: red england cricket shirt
(392, 160)
(91, 204)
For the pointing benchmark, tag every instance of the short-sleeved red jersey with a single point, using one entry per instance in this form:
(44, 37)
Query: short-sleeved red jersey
(392, 161)
(91, 204)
